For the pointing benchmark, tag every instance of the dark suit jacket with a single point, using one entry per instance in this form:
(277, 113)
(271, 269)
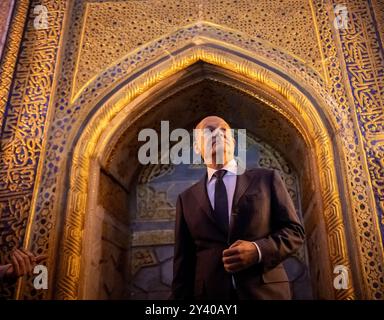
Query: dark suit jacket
(262, 211)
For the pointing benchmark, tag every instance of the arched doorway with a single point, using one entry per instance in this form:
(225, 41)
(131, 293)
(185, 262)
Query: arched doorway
(137, 258)
(311, 147)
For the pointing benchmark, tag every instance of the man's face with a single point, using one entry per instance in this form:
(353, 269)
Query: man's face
(214, 141)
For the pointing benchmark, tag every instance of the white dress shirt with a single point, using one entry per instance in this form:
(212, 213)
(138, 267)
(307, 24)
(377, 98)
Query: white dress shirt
(229, 179)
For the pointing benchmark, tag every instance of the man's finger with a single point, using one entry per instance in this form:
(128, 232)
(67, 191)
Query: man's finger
(231, 259)
(29, 254)
(16, 264)
(27, 262)
(41, 257)
(234, 267)
(20, 260)
(9, 270)
(230, 252)
(236, 243)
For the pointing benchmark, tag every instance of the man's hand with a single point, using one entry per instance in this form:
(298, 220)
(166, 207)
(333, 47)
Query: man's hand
(240, 255)
(22, 262)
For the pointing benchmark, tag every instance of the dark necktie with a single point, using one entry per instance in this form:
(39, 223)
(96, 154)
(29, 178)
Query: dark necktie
(221, 199)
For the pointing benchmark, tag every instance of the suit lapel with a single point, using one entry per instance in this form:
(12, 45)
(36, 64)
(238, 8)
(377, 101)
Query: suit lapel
(242, 183)
(201, 196)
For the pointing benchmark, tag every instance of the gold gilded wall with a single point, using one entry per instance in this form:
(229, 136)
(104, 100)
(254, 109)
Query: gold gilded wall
(51, 87)
(138, 24)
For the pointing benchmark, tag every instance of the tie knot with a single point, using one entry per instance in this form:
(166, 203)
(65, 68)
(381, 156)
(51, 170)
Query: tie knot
(219, 174)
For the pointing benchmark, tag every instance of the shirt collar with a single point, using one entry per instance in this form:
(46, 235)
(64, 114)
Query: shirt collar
(231, 168)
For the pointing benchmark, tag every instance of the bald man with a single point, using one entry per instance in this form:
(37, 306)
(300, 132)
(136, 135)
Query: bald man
(232, 231)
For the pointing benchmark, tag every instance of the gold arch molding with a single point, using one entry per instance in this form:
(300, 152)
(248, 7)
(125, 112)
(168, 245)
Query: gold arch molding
(124, 104)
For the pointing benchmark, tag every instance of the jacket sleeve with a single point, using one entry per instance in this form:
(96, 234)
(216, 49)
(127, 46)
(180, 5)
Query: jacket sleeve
(184, 259)
(287, 233)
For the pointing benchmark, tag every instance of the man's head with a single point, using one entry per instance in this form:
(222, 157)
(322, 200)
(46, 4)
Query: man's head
(214, 141)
